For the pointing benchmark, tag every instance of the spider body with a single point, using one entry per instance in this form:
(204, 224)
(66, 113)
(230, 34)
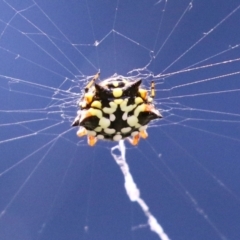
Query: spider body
(115, 109)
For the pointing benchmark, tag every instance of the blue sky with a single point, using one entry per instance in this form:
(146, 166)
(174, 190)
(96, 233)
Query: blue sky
(54, 186)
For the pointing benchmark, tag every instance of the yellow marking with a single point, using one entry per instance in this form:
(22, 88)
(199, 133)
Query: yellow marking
(126, 130)
(117, 92)
(132, 121)
(124, 116)
(89, 113)
(109, 130)
(95, 112)
(115, 83)
(123, 105)
(117, 137)
(88, 97)
(98, 129)
(111, 109)
(86, 115)
(140, 108)
(96, 104)
(138, 100)
(118, 101)
(92, 140)
(100, 136)
(81, 132)
(143, 93)
(104, 122)
(129, 108)
(112, 117)
(113, 105)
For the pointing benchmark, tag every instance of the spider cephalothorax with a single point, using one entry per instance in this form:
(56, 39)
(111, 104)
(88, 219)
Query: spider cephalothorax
(115, 109)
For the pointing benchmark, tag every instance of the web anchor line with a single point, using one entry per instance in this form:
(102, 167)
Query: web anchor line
(132, 190)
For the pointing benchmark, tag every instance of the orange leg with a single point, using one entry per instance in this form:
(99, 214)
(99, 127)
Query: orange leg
(134, 141)
(143, 134)
(92, 140)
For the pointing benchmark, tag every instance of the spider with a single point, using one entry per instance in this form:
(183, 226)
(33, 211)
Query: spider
(115, 109)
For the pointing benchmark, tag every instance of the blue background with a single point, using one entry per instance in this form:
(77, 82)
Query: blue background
(53, 186)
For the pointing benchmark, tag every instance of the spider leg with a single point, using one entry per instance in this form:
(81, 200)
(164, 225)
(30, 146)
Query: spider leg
(134, 140)
(92, 140)
(143, 134)
(152, 89)
(92, 82)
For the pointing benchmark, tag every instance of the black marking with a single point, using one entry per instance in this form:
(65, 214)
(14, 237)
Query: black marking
(131, 90)
(119, 85)
(145, 117)
(118, 123)
(90, 123)
(102, 92)
(75, 123)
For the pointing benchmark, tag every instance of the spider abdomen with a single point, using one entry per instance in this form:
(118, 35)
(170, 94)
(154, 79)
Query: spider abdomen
(115, 109)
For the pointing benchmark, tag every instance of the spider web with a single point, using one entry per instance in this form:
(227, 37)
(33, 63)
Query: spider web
(53, 186)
